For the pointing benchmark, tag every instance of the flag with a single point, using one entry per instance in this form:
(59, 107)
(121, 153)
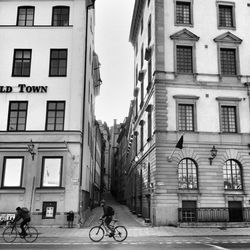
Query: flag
(180, 143)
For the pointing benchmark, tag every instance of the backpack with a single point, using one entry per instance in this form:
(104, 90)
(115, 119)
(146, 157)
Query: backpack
(110, 211)
(25, 210)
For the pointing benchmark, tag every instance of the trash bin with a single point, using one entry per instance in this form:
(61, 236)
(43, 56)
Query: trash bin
(70, 218)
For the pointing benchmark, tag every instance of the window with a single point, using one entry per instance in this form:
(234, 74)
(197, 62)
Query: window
(186, 117)
(149, 75)
(187, 171)
(183, 12)
(228, 119)
(12, 172)
(141, 25)
(189, 211)
(232, 175)
(52, 172)
(141, 134)
(21, 62)
(17, 116)
(149, 30)
(226, 15)
(49, 210)
(60, 16)
(25, 16)
(149, 110)
(142, 94)
(58, 62)
(142, 56)
(228, 62)
(55, 115)
(184, 59)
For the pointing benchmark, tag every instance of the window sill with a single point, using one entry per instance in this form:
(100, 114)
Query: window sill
(226, 28)
(12, 190)
(188, 191)
(233, 192)
(184, 24)
(50, 190)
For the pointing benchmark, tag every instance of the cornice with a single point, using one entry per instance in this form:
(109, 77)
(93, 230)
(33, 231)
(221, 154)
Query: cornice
(138, 9)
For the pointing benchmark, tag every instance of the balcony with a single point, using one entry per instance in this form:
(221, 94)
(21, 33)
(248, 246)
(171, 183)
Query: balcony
(193, 215)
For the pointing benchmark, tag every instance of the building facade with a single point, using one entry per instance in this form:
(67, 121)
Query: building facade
(48, 83)
(191, 60)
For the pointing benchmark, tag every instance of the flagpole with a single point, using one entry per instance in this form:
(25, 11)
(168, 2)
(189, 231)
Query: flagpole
(169, 158)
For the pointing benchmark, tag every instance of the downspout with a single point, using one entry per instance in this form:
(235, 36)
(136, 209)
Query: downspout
(88, 7)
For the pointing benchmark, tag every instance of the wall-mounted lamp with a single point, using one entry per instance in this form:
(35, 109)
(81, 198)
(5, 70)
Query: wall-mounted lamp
(213, 154)
(31, 147)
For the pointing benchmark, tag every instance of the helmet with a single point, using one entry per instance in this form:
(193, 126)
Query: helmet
(103, 201)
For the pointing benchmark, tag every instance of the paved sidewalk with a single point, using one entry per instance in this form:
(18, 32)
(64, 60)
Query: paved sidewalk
(49, 232)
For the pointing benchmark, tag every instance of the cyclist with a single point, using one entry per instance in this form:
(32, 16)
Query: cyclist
(22, 213)
(108, 213)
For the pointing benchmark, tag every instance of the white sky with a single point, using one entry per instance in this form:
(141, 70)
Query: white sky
(113, 20)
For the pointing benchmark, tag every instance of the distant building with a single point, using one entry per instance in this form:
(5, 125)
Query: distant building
(49, 78)
(192, 72)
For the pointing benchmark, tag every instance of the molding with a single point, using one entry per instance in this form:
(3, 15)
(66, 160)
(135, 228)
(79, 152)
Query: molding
(228, 37)
(184, 35)
(231, 99)
(186, 97)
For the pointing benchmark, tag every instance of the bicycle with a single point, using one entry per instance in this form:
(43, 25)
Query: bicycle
(119, 233)
(11, 232)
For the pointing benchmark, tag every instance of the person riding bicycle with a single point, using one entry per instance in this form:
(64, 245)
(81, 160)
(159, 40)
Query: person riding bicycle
(108, 213)
(22, 213)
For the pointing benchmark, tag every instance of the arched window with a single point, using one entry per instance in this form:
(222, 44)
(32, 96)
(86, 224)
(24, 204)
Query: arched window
(232, 175)
(187, 170)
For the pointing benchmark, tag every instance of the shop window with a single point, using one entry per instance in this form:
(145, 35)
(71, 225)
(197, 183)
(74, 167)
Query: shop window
(52, 171)
(49, 210)
(12, 172)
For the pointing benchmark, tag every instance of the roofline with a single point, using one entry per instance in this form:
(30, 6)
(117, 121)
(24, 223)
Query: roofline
(138, 7)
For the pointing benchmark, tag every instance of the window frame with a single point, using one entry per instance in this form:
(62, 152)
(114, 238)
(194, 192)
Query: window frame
(231, 174)
(42, 171)
(191, 24)
(17, 110)
(186, 168)
(229, 101)
(186, 100)
(18, 15)
(58, 60)
(230, 4)
(22, 62)
(60, 7)
(5, 158)
(55, 110)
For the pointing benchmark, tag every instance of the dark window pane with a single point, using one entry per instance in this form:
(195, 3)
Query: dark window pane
(55, 116)
(58, 63)
(186, 117)
(184, 59)
(225, 16)
(17, 116)
(183, 13)
(228, 118)
(228, 62)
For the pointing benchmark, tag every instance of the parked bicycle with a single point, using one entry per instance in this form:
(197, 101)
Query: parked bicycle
(119, 233)
(11, 232)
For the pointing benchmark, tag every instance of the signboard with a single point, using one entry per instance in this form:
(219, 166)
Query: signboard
(23, 88)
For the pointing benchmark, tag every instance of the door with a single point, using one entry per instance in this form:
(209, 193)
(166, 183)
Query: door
(235, 211)
(188, 211)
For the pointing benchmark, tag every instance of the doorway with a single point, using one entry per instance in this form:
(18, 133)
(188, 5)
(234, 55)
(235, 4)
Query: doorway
(235, 211)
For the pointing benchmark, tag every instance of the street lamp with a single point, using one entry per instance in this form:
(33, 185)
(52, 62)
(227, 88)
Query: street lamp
(213, 154)
(31, 147)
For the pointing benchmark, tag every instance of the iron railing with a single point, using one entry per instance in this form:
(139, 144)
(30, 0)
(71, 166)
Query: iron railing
(209, 214)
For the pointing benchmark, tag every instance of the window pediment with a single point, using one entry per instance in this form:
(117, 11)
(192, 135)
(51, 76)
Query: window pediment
(184, 35)
(228, 37)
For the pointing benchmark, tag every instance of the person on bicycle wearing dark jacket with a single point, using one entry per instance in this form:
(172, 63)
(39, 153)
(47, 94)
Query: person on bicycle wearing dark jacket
(22, 213)
(108, 213)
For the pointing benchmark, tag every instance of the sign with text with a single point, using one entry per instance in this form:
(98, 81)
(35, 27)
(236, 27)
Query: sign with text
(23, 88)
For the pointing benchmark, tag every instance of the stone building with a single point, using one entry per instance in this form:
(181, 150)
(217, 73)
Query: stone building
(192, 69)
(49, 78)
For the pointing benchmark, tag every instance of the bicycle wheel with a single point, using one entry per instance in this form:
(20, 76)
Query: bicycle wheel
(32, 234)
(120, 233)
(10, 234)
(96, 233)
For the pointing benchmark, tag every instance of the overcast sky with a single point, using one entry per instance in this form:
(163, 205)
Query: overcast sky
(113, 19)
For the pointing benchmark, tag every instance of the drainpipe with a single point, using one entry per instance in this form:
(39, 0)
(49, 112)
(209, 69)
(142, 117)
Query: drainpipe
(91, 5)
